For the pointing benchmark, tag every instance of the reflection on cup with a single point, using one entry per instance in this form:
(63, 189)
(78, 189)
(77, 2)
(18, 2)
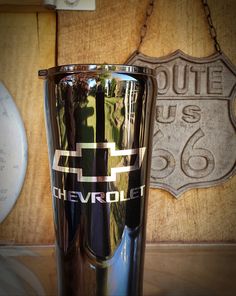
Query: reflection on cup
(99, 130)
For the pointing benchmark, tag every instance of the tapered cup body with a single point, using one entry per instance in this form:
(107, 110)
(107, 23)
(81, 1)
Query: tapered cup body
(99, 131)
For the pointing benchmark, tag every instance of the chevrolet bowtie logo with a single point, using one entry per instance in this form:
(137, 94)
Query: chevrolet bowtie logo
(113, 152)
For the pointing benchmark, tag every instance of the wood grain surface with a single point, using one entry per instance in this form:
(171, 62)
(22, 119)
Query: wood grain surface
(195, 270)
(180, 270)
(27, 45)
(110, 34)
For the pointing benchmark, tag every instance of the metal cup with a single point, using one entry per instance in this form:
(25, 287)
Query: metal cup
(99, 129)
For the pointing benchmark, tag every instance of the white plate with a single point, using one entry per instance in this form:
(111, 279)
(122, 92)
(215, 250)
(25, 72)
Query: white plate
(13, 153)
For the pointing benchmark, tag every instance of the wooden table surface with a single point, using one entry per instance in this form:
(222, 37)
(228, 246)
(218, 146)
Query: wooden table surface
(178, 270)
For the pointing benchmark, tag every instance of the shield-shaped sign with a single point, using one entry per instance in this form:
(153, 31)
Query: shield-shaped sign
(194, 142)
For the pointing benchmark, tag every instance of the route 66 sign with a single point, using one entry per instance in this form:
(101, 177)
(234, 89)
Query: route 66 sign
(194, 142)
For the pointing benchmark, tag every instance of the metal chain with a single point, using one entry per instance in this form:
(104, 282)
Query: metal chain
(143, 30)
(212, 29)
(149, 10)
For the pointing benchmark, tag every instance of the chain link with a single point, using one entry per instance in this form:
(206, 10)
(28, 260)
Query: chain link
(149, 11)
(212, 29)
(143, 30)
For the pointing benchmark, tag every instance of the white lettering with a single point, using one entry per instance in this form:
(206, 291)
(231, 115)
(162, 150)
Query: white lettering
(122, 197)
(142, 190)
(72, 196)
(97, 196)
(136, 192)
(102, 197)
(82, 199)
(55, 192)
(112, 196)
(62, 194)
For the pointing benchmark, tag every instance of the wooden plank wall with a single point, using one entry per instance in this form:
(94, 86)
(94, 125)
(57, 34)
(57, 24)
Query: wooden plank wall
(110, 34)
(27, 45)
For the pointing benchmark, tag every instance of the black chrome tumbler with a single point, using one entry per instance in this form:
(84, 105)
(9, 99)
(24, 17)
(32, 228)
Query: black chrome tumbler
(99, 131)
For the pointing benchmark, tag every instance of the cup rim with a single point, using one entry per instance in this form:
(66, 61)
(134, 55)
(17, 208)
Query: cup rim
(99, 68)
